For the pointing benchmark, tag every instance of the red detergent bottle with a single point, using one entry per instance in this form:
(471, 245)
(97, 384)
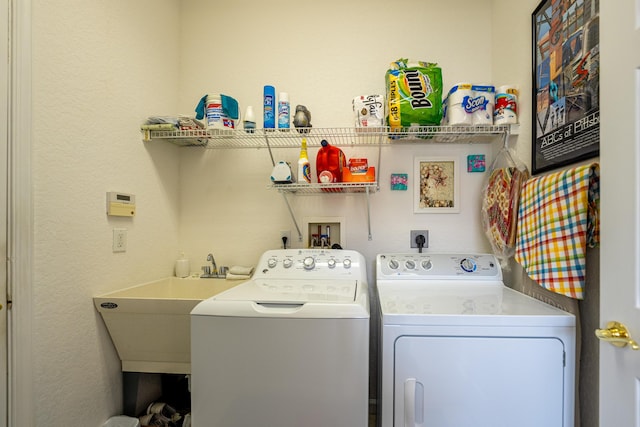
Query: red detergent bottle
(329, 163)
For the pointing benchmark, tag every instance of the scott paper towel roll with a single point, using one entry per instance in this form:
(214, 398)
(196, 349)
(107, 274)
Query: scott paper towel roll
(470, 104)
(506, 108)
(481, 106)
(454, 111)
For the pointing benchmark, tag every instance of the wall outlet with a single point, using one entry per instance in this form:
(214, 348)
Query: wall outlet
(119, 240)
(287, 234)
(416, 233)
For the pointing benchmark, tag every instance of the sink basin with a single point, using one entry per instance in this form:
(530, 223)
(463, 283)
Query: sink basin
(150, 325)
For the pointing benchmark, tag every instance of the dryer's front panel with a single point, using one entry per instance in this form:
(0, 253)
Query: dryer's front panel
(479, 381)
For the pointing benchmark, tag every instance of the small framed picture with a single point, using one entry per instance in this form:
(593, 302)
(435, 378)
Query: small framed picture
(436, 186)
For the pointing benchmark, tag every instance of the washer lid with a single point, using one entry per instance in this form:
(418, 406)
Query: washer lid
(292, 291)
(290, 298)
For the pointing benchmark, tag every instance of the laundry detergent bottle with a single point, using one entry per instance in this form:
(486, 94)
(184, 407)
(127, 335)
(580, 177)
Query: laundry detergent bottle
(329, 163)
(304, 169)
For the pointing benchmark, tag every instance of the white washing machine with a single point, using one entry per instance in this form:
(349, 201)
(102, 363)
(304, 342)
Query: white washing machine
(460, 349)
(288, 348)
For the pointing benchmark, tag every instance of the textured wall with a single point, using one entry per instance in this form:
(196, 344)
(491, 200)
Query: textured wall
(322, 54)
(99, 68)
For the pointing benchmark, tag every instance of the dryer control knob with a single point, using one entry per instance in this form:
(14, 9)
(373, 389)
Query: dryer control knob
(346, 263)
(468, 265)
(393, 264)
(427, 265)
(287, 262)
(309, 263)
(331, 263)
(410, 264)
(272, 262)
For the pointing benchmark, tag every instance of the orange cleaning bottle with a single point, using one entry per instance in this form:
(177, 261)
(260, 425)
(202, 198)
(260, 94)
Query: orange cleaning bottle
(329, 163)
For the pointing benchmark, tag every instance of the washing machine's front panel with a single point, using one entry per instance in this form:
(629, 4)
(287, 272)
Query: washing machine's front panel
(478, 381)
(279, 372)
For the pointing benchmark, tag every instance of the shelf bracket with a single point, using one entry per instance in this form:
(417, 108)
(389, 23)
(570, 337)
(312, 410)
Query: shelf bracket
(293, 217)
(368, 214)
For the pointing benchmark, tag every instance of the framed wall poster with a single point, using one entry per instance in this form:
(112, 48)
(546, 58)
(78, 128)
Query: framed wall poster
(436, 188)
(566, 83)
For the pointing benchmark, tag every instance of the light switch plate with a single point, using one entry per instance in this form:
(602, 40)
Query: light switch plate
(119, 240)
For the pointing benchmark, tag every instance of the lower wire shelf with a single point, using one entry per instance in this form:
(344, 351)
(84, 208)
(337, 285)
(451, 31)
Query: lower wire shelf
(365, 188)
(336, 187)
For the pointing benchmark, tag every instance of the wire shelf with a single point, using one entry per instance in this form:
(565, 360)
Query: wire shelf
(337, 187)
(266, 138)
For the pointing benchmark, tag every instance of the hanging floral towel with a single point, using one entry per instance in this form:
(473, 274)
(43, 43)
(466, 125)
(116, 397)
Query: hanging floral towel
(557, 220)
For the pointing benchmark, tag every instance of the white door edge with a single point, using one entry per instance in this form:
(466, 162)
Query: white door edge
(20, 219)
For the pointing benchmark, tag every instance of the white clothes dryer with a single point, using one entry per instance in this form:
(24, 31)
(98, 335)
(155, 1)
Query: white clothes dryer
(460, 349)
(288, 348)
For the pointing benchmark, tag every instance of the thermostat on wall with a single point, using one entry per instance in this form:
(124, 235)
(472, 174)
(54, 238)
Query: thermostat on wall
(121, 204)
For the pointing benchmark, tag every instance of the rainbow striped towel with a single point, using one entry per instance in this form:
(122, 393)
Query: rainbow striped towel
(557, 220)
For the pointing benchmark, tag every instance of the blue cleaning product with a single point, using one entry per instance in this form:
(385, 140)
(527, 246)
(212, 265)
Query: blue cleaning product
(269, 107)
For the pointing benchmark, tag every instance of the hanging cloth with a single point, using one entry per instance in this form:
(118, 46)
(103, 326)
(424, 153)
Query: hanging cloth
(558, 220)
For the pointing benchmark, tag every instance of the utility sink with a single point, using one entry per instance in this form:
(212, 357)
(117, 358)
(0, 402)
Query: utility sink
(150, 324)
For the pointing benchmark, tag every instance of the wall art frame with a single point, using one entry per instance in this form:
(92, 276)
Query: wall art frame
(436, 185)
(566, 69)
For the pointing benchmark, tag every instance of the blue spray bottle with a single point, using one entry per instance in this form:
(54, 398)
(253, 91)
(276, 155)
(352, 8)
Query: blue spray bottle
(269, 107)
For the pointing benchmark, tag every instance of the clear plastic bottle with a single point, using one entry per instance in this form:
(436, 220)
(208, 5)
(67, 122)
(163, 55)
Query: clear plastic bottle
(284, 112)
(249, 120)
(304, 168)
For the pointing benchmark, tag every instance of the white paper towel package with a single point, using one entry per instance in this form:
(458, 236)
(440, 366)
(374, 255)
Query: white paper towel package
(506, 107)
(469, 104)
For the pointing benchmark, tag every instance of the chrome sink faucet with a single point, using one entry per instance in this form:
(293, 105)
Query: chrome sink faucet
(212, 271)
(214, 267)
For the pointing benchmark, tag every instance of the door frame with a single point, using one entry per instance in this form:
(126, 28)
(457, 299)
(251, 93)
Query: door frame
(19, 221)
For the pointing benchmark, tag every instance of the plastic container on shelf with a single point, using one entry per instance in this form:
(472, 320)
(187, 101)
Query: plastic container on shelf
(269, 106)
(330, 163)
(215, 115)
(304, 168)
(283, 112)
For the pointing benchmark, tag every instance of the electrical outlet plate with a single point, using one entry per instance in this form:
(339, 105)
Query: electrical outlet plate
(119, 240)
(287, 234)
(416, 233)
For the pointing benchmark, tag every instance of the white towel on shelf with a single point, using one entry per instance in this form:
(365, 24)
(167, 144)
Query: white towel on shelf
(240, 271)
(231, 276)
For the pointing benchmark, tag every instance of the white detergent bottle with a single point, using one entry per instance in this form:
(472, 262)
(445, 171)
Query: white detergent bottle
(182, 266)
(304, 169)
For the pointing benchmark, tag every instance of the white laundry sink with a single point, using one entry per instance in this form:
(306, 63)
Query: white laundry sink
(150, 324)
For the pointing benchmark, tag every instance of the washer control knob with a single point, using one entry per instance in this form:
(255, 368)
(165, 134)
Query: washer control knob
(309, 263)
(331, 263)
(346, 263)
(393, 264)
(468, 265)
(287, 263)
(410, 264)
(272, 262)
(426, 264)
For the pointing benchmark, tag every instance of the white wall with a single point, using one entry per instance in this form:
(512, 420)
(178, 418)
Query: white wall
(323, 54)
(101, 67)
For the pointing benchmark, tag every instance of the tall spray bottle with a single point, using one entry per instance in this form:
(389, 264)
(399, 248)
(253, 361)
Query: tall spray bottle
(304, 169)
(283, 112)
(269, 107)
